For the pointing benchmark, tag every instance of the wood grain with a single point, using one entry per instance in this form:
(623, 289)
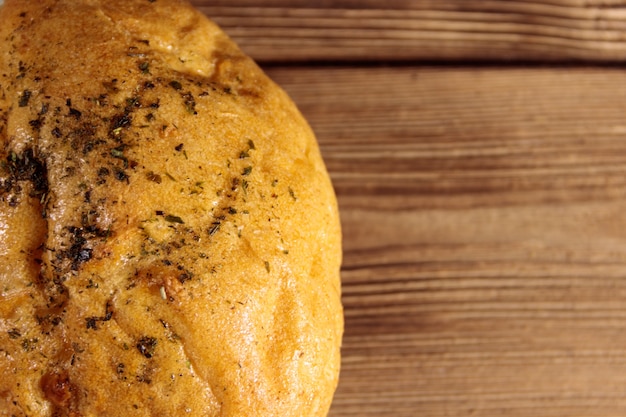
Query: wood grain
(484, 218)
(396, 30)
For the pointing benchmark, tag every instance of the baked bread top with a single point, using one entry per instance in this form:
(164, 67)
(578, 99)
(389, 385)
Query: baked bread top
(169, 236)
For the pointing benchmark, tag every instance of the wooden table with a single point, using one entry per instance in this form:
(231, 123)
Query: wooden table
(482, 195)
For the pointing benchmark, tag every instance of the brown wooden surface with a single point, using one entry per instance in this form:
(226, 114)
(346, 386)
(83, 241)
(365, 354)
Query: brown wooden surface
(369, 30)
(483, 206)
(484, 212)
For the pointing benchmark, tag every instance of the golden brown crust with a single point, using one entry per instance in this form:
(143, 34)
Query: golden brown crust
(169, 238)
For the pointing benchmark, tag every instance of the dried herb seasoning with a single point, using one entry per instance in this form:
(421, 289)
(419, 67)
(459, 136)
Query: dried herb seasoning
(174, 219)
(147, 346)
(24, 98)
(144, 67)
(27, 167)
(176, 85)
(14, 333)
(92, 322)
(151, 176)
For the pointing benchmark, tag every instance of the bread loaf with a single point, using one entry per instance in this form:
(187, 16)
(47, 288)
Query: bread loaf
(169, 236)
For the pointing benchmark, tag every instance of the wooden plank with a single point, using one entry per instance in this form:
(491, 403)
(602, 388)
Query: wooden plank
(484, 223)
(348, 30)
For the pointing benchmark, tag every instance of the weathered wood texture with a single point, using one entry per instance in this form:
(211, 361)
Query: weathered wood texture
(484, 214)
(366, 30)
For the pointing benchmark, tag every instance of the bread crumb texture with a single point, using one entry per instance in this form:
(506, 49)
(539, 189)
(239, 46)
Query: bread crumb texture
(169, 236)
